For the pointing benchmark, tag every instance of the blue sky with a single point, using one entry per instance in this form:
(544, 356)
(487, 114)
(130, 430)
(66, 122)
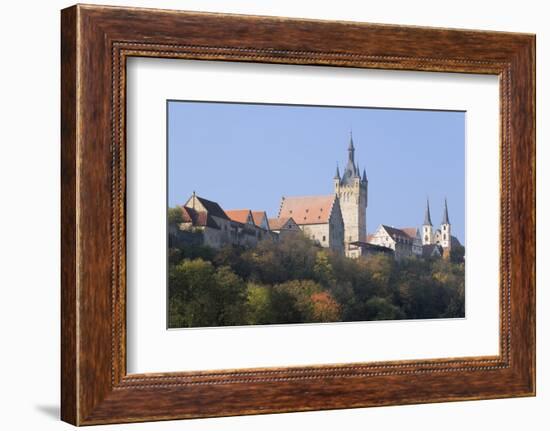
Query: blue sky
(248, 156)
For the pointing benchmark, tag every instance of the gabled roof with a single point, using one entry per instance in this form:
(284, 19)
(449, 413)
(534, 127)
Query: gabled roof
(394, 232)
(411, 231)
(198, 218)
(281, 223)
(212, 207)
(307, 209)
(258, 217)
(241, 216)
(373, 247)
(430, 250)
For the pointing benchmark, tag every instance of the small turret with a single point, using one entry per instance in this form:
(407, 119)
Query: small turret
(337, 175)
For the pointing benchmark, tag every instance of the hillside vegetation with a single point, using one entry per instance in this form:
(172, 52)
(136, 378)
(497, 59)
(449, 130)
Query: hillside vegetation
(295, 281)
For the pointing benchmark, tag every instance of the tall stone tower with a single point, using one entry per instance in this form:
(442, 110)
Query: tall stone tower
(352, 191)
(446, 230)
(427, 227)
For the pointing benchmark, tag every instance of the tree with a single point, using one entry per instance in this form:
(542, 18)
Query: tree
(378, 308)
(175, 256)
(191, 283)
(324, 308)
(284, 307)
(175, 215)
(457, 254)
(201, 295)
(232, 256)
(230, 297)
(292, 258)
(259, 307)
(296, 281)
(322, 269)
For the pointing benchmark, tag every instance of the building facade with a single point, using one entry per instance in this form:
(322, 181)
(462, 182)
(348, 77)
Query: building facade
(318, 217)
(336, 221)
(352, 191)
(421, 242)
(205, 222)
(284, 226)
(442, 236)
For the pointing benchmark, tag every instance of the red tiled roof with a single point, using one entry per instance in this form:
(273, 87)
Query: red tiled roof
(258, 216)
(278, 223)
(394, 232)
(197, 218)
(307, 209)
(241, 216)
(370, 237)
(411, 231)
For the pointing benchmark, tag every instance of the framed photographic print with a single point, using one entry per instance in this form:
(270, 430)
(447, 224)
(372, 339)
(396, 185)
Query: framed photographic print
(267, 215)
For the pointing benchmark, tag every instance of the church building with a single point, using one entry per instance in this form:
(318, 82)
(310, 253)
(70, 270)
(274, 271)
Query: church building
(442, 236)
(335, 221)
(319, 218)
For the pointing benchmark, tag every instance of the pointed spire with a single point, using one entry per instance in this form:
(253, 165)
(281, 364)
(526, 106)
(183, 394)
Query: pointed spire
(445, 214)
(364, 175)
(427, 217)
(351, 150)
(337, 176)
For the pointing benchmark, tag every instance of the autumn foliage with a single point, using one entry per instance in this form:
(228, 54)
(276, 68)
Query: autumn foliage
(295, 281)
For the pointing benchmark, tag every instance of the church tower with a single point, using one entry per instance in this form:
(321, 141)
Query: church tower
(446, 230)
(427, 227)
(352, 192)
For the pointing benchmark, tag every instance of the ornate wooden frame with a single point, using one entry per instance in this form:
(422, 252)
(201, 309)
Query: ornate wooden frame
(95, 43)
